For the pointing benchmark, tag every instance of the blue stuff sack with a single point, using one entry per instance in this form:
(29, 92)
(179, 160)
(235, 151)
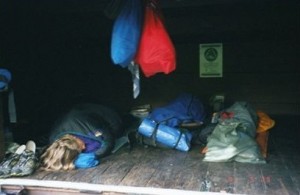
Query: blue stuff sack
(126, 33)
(166, 135)
(86, 160)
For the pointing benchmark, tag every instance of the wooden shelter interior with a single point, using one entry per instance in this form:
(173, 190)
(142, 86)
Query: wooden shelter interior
(58, 52)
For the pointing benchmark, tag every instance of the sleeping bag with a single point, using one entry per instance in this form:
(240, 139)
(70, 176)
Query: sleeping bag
(97, 125)
(186, 108)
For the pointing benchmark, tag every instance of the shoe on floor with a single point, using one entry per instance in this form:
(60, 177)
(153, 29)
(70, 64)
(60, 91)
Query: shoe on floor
(11, 148)
(8, 163)
(30, 145)
(27, 162)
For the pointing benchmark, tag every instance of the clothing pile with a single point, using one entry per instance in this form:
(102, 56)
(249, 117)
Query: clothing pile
(232, 135)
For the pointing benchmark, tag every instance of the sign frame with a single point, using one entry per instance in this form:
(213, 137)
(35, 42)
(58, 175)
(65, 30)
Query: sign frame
(211, 60)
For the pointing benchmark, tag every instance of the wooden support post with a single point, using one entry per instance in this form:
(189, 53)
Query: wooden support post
(2, 138)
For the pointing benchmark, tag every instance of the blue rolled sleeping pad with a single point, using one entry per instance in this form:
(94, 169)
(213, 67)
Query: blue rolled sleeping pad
(166, 135)
(5, 78)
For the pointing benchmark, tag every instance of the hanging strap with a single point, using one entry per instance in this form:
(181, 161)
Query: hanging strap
(178, 140)
(12, 107)
(135, 74)
(153, 135)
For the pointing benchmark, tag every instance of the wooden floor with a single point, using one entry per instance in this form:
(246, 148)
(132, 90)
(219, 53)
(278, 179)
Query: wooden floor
(171, 169)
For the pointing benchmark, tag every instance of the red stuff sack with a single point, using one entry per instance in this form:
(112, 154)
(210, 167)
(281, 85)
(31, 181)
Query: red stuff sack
(156, 52)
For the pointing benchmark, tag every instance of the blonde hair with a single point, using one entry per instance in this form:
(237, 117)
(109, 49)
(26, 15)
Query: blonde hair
(61, 154)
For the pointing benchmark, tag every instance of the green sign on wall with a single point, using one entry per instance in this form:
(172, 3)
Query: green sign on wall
(211, 60)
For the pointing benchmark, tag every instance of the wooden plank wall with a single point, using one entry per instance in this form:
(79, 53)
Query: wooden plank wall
(266, 74)
(260, 51)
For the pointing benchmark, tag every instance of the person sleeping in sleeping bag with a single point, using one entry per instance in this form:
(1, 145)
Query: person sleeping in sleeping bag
(81, 137)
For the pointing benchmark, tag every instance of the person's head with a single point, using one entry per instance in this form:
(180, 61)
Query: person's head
(61, 154)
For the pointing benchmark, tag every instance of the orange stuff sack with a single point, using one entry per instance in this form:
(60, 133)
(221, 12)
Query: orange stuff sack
(264, 122)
